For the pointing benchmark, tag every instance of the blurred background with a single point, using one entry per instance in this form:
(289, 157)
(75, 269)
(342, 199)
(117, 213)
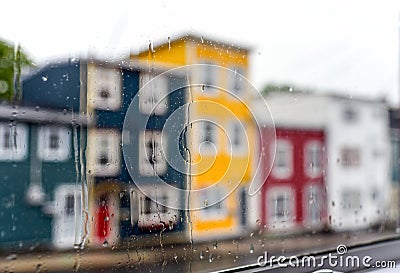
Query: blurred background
(300, 99)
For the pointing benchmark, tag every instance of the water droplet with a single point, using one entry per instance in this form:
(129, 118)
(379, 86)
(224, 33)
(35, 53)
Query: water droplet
(105, 243)
(211, 258)
(215, 245)
(251, 248)
(44, 78)
(201, 255)
(11, 257)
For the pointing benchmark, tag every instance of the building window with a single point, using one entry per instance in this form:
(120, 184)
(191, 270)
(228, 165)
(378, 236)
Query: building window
(350, 114)
(54, 143)
(107, 86)
(147, 205)
(152, 160)
(351, 200)
(208, 79)
(154, 215)
(152, 97)
(69, 204)
(313, 159)
(280, 206)
(283, 161)
(207, 137)
(238, 143)
(67, 208)
(104, 152)
(350, 157)
(151, 207)
(13, 142)
(395, 163)
(313, 205)
(236, 81)
(213, 203)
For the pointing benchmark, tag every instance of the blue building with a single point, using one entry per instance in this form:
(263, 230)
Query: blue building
(39, 186)
(102, 92)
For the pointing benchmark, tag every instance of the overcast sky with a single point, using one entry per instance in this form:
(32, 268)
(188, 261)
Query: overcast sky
(349, 46)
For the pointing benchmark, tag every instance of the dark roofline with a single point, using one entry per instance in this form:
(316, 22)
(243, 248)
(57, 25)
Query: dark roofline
(33, 115)
(124, 64)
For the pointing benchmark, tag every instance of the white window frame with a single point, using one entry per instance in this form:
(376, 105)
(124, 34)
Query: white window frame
(63, 221)
(282, 172)
(354, 202)
(113, 150)
(158, 212)
(272, 196)
(233, 132)
(44, 150)
(20, 150)
(109, 79)
(153, 94)
(210, 211)
(313, 170)
(357, 157)
(160, 142)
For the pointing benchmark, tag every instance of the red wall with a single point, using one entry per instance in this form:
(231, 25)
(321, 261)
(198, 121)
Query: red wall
(299, 178)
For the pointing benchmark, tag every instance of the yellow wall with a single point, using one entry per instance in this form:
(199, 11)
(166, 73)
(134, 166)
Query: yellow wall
(173, 55)
(226, 169)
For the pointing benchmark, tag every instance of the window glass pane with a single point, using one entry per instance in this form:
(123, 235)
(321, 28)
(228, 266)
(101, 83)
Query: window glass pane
(177, 137)
(283, 164)
(14, 141)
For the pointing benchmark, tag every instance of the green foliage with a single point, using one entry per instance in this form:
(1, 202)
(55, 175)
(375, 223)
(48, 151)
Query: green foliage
(271, 87)
(11, 61)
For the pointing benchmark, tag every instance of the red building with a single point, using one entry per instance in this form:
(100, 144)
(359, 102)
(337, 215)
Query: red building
(294, 194)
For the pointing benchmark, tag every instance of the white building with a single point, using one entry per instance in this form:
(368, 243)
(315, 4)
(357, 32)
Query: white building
(357, 152)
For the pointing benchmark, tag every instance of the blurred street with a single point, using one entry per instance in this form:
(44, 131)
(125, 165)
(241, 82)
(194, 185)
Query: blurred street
(204, 257)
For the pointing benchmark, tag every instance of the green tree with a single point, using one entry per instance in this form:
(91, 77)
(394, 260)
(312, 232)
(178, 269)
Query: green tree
(12, 60)
(272, 87)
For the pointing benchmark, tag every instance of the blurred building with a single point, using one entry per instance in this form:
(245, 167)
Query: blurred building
(218, 109)
(294, 195)
(39, 198)
(114, 209)
(356, 146)
(394, 123)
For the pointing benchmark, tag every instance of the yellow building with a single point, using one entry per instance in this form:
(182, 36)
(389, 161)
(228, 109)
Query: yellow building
(222, 133)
